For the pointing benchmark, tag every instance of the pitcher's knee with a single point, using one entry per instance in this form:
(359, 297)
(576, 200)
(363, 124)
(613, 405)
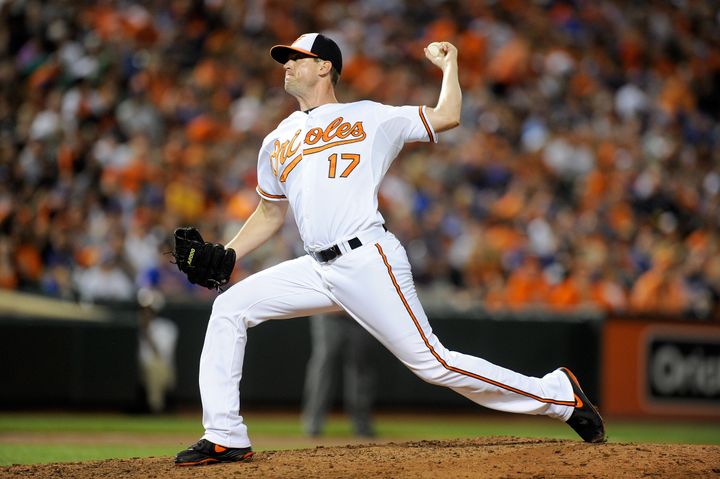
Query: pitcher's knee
(222, 305)
(231, 306)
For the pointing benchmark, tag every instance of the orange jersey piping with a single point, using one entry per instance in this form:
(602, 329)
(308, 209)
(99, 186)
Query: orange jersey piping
(268, 195)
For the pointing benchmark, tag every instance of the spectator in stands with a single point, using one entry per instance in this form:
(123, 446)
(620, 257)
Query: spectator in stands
(106, 281)
(661, 289)
(587, 126)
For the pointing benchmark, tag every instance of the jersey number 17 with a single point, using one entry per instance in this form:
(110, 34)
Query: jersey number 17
(353, 158)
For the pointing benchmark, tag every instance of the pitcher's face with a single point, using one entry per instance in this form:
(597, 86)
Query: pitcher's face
(301, 73)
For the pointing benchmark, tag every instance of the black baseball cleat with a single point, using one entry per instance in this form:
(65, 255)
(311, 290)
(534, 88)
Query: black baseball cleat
(585, 419)
(205, 452)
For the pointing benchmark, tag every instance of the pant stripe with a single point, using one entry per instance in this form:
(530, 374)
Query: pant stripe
(442, 361)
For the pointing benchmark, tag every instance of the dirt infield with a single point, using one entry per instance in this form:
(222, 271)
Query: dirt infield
(484, 457)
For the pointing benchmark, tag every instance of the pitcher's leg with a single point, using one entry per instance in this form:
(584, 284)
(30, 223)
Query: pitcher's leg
(287, 290)
(396, 317)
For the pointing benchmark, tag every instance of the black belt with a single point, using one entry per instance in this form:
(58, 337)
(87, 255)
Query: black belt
(334, 251)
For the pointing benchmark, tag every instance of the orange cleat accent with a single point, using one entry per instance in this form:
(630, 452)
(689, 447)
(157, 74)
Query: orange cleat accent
(205, 452)
(585, 419)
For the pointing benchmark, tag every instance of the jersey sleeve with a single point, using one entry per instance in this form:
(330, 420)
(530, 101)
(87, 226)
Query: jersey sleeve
(268, 186)
(407, 124)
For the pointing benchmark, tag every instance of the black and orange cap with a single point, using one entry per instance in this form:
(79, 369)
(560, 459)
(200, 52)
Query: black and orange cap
(314, 45)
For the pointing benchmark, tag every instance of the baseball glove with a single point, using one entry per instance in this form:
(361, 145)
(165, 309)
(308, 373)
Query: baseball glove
(207, 264)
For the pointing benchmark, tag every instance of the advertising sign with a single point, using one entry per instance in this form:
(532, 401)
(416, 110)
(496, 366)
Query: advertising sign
(661, 369)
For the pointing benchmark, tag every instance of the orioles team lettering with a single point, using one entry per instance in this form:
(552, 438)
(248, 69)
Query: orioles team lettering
(281, 151)
(338, 132)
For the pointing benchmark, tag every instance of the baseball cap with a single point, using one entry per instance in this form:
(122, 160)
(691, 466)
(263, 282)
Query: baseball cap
(315, 45)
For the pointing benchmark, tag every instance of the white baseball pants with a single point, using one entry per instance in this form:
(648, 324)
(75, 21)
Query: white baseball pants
(373, 283)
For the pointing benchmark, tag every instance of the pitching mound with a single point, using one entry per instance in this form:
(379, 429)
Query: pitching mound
(481, 457)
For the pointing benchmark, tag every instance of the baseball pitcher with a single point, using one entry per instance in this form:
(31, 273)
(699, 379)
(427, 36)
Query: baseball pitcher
(325, 162)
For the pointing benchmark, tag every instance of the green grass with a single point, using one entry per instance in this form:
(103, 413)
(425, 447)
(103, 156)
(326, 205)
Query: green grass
(97, 423)
(59, 437)
(47, 453)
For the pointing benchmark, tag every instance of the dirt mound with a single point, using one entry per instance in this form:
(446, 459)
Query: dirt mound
(465, 458)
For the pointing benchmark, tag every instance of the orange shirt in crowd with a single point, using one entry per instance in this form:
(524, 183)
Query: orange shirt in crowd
(526, 286)
(565, 295)
(659, 290)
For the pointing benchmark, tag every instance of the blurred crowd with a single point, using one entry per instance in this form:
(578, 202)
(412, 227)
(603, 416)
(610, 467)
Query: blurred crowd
(585, 174)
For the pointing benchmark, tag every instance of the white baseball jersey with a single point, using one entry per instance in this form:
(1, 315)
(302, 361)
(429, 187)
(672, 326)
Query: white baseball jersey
(328, 164)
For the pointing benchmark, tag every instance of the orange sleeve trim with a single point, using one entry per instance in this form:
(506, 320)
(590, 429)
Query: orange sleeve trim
(269, 196)
(443, 362)
(426, 124)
